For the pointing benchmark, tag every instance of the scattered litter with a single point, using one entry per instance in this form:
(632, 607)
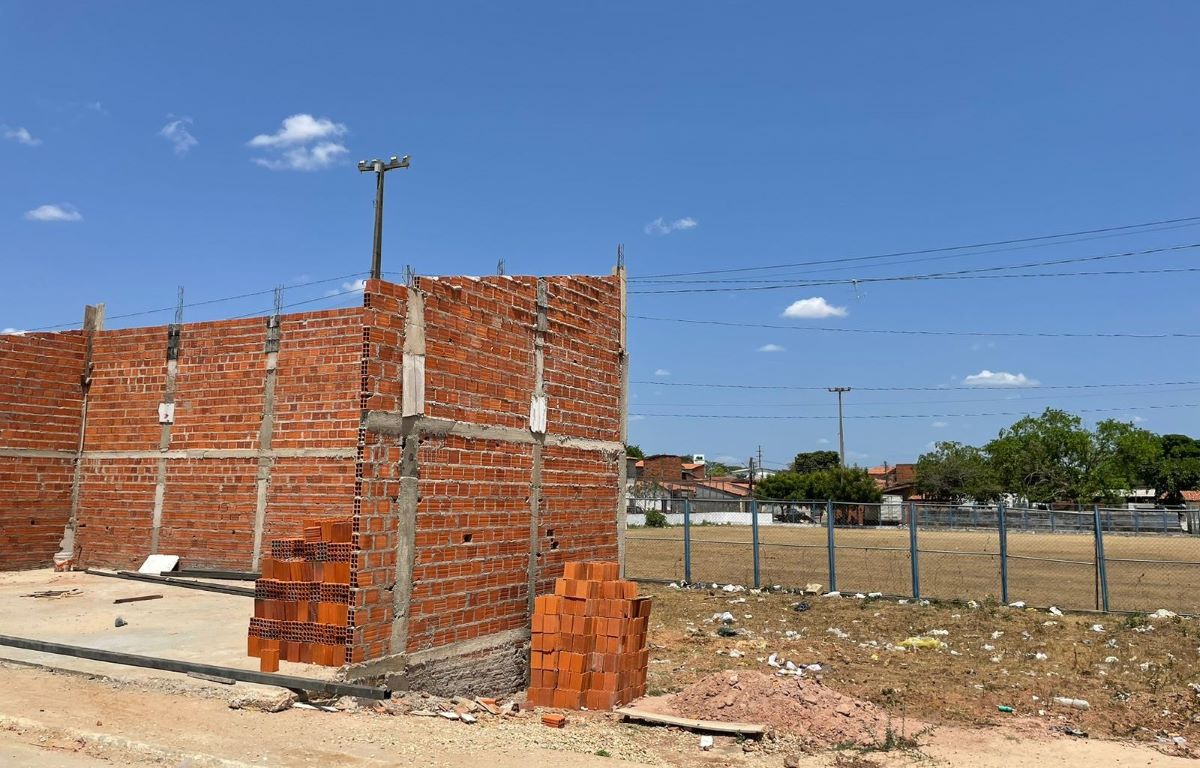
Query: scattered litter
(1097, 627)
(801, 607)
(1055, 611)
(725, 617)
(832, 594)
(923, 603)
(733, 588)
(771, 661)
(1070, 731)
(467, 718)
(1144, 628)
(1065, 701)
(317, 707)
(1049, 623)
(1111, 660)
(938, 632)
(120, 622)
(972, 604)
(997, 634)
(706, 742)
(1040, 656)
(673, 585)
(902, 601)
(989, 648)
(929, 643)
(1004, 708)
(811, 589)
(55, 593)
(726, 631)
(874, 595)
(1017, 604)
(450, 715)
(737, 600)
(860, 596)
(839, 634)
(1163, 613)
(736, 654)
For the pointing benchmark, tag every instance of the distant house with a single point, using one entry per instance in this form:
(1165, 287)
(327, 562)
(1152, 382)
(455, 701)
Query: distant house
(896, 480)
(668, 468)
(760, 473)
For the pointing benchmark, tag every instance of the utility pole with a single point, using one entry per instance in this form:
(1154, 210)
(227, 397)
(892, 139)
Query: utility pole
(841, 430)
(380, 168)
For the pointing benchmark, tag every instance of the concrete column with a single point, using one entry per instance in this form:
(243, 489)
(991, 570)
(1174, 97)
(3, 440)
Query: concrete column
(266, 430)
(622, 469)
(93, 321)
(413, 405)
(174, 333)
(538, 418)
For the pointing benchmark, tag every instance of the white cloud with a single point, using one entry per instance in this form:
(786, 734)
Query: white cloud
(12, 332)
(96, 106)
(1137, 419)
(813, 308)
(661, 226)
(178, 134)
(299, 129)
(662, 372)
(823, 441)
(771, 348)
(636, 417)
(986, 378)
(313, 158)
(979, 345)
(356, 287)
(64, 212)
(303, 143)
(20, 135)
(939, 424)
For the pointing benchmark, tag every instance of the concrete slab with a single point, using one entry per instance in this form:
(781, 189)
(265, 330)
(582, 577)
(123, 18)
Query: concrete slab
(186, 625)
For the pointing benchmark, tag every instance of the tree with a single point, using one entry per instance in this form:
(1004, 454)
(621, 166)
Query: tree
(634, 452)
(1044, 458)
(717, 469)
(851, 484)
(1179, 468)
(1124, 457)
(955, 472)
(815, 461)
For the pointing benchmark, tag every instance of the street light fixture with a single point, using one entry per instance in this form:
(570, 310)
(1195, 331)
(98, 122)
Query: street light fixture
(380, 168)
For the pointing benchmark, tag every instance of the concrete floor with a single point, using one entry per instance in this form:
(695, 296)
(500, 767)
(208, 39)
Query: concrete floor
(186, 624)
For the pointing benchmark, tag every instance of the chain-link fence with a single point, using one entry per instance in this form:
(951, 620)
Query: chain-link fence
(1101, 558)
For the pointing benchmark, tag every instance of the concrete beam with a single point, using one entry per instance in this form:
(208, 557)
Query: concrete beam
(391, 423)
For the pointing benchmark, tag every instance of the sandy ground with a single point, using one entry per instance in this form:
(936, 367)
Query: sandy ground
(953, 564)
(49, 719)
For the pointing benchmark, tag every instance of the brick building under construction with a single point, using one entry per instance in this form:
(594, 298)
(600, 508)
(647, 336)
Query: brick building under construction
(472, 429)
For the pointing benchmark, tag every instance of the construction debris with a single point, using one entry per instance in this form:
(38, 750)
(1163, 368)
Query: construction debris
(55, 593)
(137, 599)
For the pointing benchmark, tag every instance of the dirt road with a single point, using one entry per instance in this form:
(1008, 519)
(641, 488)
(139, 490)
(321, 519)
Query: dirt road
(68, 721)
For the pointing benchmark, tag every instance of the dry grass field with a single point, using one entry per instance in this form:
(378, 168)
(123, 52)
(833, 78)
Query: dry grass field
(1144, 572)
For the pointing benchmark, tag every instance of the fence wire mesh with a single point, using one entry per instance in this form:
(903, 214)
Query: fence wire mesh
(1134, 560)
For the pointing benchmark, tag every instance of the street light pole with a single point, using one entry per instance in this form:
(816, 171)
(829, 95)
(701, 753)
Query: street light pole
(380, 168)
(841, 430)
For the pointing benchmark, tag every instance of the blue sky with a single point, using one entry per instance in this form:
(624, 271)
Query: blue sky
(703, 136)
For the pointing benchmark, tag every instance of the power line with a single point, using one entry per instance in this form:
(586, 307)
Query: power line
(974, 270)
(219, 300)
(906, 415)
(901, 332)
(968, 387)
(814, 404)
(925, 251)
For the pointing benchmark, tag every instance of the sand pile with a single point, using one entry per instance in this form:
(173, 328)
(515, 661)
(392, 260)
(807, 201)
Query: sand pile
(820, 716)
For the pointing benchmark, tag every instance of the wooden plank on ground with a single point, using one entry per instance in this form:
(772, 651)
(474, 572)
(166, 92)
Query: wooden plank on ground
(714, 726)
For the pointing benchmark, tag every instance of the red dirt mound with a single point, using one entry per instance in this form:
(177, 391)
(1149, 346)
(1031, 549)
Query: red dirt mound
(820, 716)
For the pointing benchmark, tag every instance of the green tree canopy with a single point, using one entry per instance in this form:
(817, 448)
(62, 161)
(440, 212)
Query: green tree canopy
(851, 484)
(815, 461)
(956, 472)
(1179, 468)
(634, 452)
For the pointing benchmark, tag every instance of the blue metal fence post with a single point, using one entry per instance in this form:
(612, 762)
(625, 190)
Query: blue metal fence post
(1003, 525)
(1052, 528)
(830, 545)
(754, 535)
(1137, 523)
(687, 541)
(1101, 569)
(913, 551)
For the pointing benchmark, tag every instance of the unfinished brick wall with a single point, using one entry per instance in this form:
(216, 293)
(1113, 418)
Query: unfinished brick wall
(410, 415)
(40, 402)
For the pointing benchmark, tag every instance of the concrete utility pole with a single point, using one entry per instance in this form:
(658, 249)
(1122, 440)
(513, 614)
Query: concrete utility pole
(380, 168)
(841, 431)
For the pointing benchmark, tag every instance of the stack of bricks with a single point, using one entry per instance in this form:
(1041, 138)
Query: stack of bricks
(589, 640)
(302, 600)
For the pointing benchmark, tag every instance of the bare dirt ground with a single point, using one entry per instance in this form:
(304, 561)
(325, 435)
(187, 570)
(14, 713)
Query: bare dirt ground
(1135, 679)
(963, 564)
